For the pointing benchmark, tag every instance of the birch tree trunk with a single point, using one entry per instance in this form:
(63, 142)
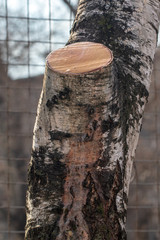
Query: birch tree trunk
(87, 127)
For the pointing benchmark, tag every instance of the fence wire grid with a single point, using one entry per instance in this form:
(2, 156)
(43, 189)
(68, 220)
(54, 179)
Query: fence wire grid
(29, 30)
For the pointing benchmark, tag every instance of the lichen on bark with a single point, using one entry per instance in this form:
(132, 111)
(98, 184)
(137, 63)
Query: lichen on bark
(87, 127)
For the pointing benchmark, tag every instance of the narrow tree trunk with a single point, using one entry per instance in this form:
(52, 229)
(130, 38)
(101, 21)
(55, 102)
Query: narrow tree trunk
(88, 125)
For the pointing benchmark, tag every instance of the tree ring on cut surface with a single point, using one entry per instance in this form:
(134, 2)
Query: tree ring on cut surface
(79, 58)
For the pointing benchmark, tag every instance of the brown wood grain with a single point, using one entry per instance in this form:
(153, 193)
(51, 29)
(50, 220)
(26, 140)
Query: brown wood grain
(79, 58)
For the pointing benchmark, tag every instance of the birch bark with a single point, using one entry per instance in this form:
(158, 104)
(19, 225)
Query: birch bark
(99, 190)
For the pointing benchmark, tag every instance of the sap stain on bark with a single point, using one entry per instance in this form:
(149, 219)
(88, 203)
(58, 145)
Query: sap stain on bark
(111, 182)
(94, 211)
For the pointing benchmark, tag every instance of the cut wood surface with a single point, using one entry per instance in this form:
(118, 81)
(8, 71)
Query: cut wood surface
(88, 122)
(81, 57)
(69, 145)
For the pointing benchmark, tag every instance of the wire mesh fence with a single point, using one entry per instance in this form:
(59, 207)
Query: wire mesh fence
(144, 198)
(29, 30)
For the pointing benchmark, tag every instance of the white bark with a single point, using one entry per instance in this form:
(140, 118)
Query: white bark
(130, 29)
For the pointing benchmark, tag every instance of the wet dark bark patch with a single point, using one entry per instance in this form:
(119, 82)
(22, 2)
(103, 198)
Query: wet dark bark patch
(44, 180)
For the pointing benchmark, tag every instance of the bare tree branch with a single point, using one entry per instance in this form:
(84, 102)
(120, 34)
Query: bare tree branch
(74, 10)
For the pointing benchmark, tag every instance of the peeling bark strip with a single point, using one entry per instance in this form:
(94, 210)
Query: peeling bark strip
(88, 123)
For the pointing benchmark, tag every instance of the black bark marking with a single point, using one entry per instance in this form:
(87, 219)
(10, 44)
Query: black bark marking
(65, 94)
(72, 192)
(88, 137)
(43, 180)
(108, 125)
(59, 135)
(62, 95)
(51, 102)
(66, 211)
(41, 174)
(46, 232)
(73, 225)
(55, 155)
(90, 110)
(130, 96)
(114, 109)
(94, 124)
